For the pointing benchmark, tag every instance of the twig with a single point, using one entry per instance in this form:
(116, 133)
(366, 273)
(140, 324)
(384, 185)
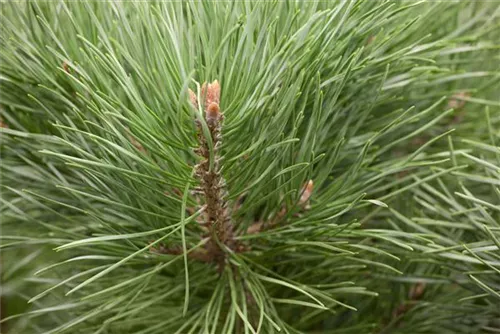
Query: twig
(198, 254)
(303, 203)
(213, 184)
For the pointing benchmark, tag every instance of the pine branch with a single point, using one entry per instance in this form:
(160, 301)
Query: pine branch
(96, 138)
(208, 171)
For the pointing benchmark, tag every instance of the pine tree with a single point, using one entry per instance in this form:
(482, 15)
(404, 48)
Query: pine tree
(239, 167)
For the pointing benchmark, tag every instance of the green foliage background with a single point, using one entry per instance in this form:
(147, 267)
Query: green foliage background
(390, 107)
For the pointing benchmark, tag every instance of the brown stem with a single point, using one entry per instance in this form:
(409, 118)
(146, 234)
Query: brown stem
(197, 254)
(216, 218)
(303, 205)
(414, 295)
(213, 185)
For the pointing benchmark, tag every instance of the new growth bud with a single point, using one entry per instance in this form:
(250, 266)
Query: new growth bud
(193, 99)
(254, 228)
(457, 101)
(212, 112)
(211, 95)
(3, 124)
(306, 192)
(212, 100)
(65, 67)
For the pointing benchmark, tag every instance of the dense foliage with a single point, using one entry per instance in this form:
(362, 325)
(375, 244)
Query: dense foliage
(346, 180)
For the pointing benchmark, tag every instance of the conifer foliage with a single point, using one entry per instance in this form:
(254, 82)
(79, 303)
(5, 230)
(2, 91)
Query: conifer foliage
(240, 167)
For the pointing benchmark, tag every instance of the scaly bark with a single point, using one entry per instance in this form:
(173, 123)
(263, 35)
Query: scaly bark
(212, 183)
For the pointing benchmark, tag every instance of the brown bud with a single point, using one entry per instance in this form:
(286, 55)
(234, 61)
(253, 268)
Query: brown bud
(152, 249)
(402, 174)
(212, 112)
(254, 228)
(135, 143)
(65, 67)
(241, 248)
(306, 192)
(213, 93)
(456, 101)
(177, 192)
(3, 124)
(419, 141)
(400, 310)
(193, 99)
(416, 291)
